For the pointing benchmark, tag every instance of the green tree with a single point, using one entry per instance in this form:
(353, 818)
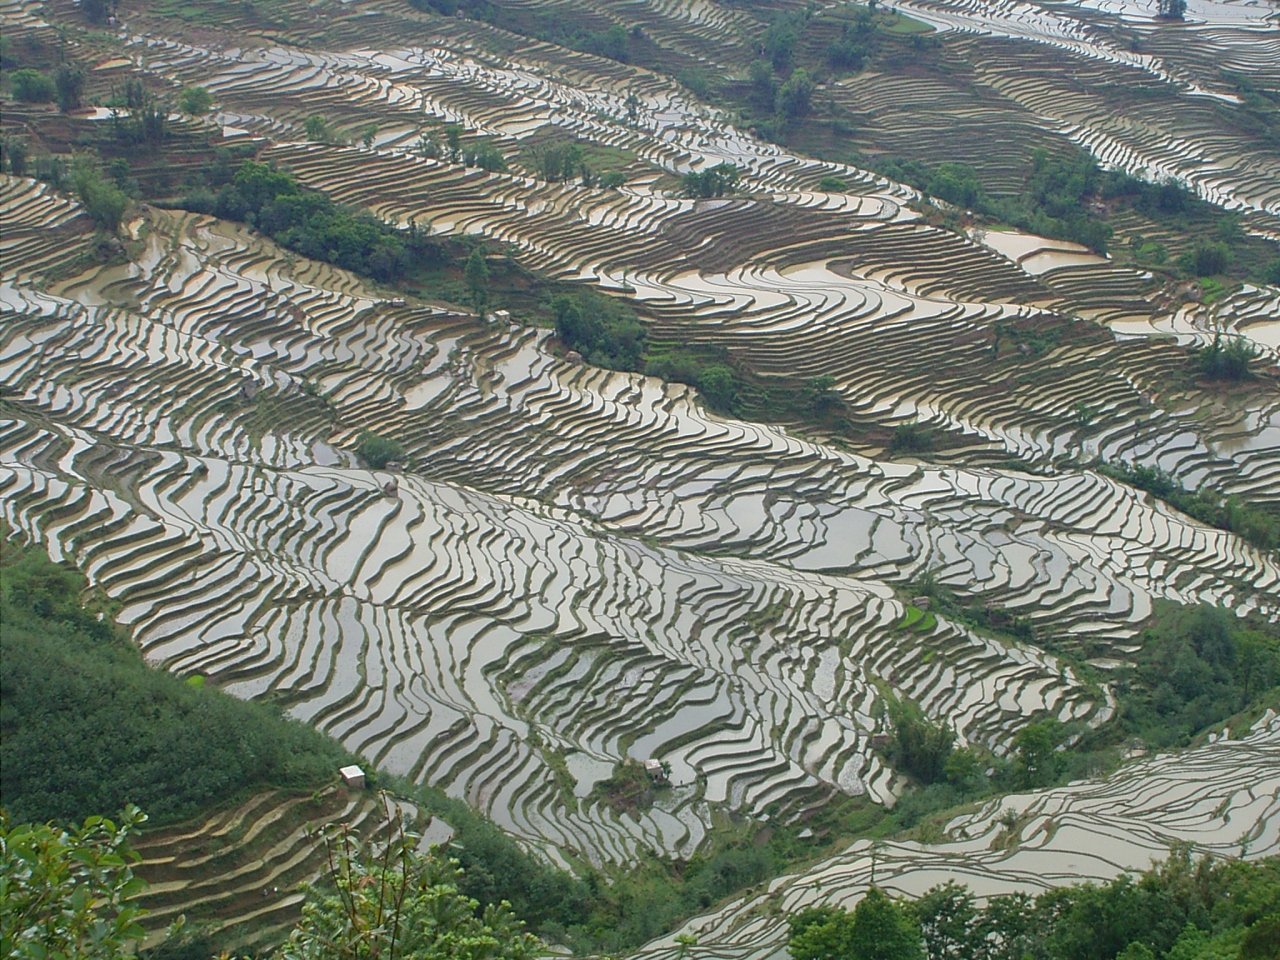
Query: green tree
(1037, 759)
(401, 904)
(884, 930)
(65, 891)
(103, 201)
(878, 929)
(14, 153)
(949, 922)
(763, 86)
(453, 137)
(378, 451)
(70, 85)
(1173, 9)
(780, 40)
(477, 276)
(195, 101)
(32, 86)
(919, 747)
(368, 135)
(1206, 259)
(795, 96)
(316, 128)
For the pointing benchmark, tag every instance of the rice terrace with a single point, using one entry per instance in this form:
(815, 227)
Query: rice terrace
(675, 479)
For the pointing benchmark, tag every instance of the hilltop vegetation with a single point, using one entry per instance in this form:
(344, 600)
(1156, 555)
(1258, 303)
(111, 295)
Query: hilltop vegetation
(1182, 909)
(89, 727)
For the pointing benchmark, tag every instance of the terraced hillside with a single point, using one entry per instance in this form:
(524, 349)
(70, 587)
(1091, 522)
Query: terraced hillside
(1223, 798)
(507, 591)
(796, 282)
(239, 869)
(576, 566)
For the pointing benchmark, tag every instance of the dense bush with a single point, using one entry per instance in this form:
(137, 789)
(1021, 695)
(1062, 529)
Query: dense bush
(1197, 666)
(378, 451)
(600, 329)
(88, 726)
(32, 86)
(66, 892)
(713, 182)
(795, 96)
(1055, 197)
(310, 223)
(105, 202)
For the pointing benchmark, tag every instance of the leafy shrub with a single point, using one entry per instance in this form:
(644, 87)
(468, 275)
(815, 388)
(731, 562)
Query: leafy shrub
(195, 101)
(378, 451)
(1206, 259)
(919, 747)
(715, 182)
(312, 224)
(795, 96)
(911, 438)
(69, 82)
(833, 185)
(1226, 361)
(67, 891)
(612, 179)
(401, 903)
(103, 201)
(600, 329)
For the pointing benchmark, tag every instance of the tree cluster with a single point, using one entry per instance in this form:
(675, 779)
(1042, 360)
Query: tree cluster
(1179, 910)
(309, 222)
(713, 182)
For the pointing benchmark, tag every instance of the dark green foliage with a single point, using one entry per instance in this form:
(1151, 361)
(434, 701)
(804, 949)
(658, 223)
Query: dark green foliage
(13, 154)
(794, 97)
(70, 85)
(763, 87)
(698, 82)
(477, 276)
(485, 156)
(911, 438)
(103, 201)
(877, 929)
(1037, 760)
(919, 747)
(195, 101)
(833, 185)
(32, 86)
(88, 726)
(1206, 259)
(317, 128)
(1197, 666)
(858, 42)
(612, 179)
(601, 329)
(1223, 907)
(714, 182)
(1227, 361)
(1260, 527)
(378, 451)
(310, 223)
(559, 161)
(780, 39)
(137, 118)
(1172, 9)
(97, 11)
(1055, 197)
